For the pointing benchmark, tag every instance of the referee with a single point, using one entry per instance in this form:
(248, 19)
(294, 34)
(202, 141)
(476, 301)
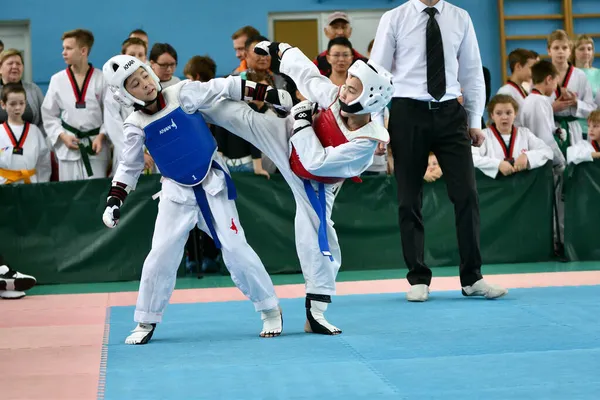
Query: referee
(431, 49)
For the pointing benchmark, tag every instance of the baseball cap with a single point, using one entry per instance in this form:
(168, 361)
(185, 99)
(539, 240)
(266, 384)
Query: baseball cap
(338, 15)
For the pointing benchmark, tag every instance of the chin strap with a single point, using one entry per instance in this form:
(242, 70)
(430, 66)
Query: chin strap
(353, 109)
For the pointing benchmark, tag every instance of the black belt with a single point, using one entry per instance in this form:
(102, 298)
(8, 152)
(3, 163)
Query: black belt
(427, 105)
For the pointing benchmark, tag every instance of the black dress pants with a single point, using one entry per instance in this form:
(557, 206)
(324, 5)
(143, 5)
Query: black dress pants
(416, 129)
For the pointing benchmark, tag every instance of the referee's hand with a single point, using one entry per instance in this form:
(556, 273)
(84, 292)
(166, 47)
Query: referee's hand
(477, 137)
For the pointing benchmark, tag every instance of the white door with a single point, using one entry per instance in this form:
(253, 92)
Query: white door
(16, 35)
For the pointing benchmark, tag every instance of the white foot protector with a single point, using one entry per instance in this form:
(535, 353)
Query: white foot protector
(141, 334)
(272, 323)
(315, 318)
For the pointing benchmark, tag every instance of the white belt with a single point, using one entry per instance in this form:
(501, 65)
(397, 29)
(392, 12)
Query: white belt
(235, 162)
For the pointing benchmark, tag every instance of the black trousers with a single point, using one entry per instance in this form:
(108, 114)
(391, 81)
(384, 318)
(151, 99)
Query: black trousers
(415, 131)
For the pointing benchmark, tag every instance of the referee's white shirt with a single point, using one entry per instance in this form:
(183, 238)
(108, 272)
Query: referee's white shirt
(400, 47)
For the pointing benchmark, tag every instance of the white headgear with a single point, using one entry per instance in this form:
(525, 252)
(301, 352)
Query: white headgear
(377, 88)
(117, 70)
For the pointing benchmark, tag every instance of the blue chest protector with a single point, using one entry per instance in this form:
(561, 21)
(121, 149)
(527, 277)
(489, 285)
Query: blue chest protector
(182, 146)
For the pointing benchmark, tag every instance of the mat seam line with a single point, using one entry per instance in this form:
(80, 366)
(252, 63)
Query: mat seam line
(104, 357)
(362, 359)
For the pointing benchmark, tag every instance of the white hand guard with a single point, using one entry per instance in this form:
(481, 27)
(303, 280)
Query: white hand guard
(112, 212)
(266, 48)
(303, 113)
(116, 196)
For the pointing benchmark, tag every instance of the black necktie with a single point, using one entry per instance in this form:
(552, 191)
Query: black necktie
(436, 73)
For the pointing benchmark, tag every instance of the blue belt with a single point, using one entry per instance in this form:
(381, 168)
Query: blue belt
(319, 204)
(205, 208)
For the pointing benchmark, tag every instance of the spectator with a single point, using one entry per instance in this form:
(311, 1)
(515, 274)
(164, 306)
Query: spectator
(583, 58)
(72, 112)
(200, 68)
(140, 34)
(11, 71)
(239, 46)
(163, 60)
(339, 56)
(338, 25)
(24, 154)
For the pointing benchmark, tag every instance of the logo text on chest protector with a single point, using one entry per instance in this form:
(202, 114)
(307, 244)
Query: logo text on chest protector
(167, 128)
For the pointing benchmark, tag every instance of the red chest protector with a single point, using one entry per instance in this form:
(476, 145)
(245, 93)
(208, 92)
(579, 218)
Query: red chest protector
(329, 134)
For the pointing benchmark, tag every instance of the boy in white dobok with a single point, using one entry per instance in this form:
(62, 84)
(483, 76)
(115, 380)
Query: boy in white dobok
(520, 62)
(24, 154)
(197, 189)
(587, 150)
(508, 149)
(73, 112)
(339, 144)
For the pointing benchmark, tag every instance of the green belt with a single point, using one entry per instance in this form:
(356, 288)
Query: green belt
(564, 123)
(85, 149)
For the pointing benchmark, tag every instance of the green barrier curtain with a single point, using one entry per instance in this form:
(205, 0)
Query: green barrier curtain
(582, 211)
(55, 231)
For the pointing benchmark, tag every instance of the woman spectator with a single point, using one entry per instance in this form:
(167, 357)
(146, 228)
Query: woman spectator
(11, 71)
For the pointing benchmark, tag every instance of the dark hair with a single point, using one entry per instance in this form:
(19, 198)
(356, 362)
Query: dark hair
(519, 57)
(541, 70)
(138, 32)
(12, 88)
(247, 31)
(161, 48)
(339, 41)
(254, 39)
(370, 47)
(202, 68)
(258, 77)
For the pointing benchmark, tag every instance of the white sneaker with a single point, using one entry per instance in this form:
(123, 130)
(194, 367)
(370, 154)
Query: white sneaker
(418, 293)
(272, 323)
(11, 280)
(141, 334)
(484, 289)
(11, 294)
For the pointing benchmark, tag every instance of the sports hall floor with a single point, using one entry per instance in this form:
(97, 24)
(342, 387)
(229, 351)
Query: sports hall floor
(542, 341)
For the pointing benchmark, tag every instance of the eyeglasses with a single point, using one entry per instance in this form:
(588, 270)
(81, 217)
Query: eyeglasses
(341, 55)
(166, 66)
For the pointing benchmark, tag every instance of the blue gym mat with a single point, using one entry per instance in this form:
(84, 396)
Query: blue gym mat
(541, 343)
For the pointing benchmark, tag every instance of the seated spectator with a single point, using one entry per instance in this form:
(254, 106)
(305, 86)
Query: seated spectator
(508, 149)
(587, 150)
